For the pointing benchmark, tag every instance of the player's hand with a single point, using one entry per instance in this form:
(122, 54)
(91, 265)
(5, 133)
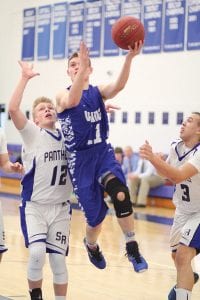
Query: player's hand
(136, 50)
(17, 168)
(27, 70)
(84, 56)
(111, 107)
(146, 151)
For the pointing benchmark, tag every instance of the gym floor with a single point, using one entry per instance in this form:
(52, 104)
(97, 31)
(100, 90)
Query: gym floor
(118, 281)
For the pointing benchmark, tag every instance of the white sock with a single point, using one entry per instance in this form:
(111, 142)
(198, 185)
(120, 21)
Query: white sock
(60, 297)
(129, 236)
(182, 294)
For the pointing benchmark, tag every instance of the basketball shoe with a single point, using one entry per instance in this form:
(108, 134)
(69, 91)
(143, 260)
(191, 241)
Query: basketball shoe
(134, 256)
(95, 256)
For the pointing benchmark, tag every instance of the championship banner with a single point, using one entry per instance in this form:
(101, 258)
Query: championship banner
(193, 25)
(28, 40)
(112, 12)
(174, 28)
(43, 32)
(153, 12)
(132, 8)
(59, 29)
(93, 26)
(76, 14)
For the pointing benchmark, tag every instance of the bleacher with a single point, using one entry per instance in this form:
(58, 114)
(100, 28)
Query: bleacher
(161, 196)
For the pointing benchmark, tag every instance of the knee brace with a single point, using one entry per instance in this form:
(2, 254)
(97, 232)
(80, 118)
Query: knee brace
(37, 253)
(58, 267)
(120, 196)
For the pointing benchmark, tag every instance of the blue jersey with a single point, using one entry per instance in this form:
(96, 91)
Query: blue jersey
(85, 125)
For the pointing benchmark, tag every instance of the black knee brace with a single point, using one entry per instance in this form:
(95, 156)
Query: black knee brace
(123, 208)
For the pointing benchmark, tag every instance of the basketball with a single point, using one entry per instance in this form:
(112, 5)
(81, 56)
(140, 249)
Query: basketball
(126, 31)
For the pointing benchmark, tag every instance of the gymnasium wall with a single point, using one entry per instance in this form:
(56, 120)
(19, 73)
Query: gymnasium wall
(163, 82)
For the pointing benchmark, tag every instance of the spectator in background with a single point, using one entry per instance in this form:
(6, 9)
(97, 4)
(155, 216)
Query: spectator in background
(141, 181)
(119, 154)
(132, 164)
(132, 161)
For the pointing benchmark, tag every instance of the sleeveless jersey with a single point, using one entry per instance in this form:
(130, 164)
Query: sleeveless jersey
(44, 157)
(85, 125)
(187, 193)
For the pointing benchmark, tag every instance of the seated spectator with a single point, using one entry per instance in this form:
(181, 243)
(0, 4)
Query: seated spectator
(119, 154)
(141, 181)
(132, 162)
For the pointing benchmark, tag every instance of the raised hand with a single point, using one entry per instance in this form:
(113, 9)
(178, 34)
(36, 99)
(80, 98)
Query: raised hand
(136, 50)
(27, 70)
(84, 56)
(146, 151)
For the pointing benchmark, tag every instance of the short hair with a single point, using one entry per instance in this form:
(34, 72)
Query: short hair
(38, 101)
(75, 54)
(118, 150)
(198, 114)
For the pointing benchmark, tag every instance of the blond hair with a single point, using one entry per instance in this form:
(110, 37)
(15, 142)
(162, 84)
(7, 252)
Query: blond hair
(38, 101)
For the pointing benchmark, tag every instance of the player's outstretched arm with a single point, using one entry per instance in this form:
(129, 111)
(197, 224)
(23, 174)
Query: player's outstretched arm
(15, 112)
(174, 174)
(111, 90)
(79, 75)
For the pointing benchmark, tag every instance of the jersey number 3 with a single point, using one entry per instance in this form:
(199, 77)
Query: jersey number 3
(186, 193)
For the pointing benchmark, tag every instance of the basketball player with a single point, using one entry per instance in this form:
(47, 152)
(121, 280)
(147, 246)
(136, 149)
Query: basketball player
(7, 167)
(92, 164)
(183, 169)
(46, 189)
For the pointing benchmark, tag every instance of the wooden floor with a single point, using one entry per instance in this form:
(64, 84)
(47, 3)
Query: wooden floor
(117, 282)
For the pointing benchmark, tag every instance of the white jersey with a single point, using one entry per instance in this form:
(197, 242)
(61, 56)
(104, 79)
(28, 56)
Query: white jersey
(44, 157)
(187, 193)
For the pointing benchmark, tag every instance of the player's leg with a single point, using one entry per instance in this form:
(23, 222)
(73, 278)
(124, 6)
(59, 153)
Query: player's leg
(37, 253)
(90, 241)
(59, 219)
(60, 275)
(33, 225)
(90, 196)
(120, 196)
(185, 277)
(95, 211)
(186, 231)
(172, 293)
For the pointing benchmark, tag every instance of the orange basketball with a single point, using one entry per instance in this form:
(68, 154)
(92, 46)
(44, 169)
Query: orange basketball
(126, 31)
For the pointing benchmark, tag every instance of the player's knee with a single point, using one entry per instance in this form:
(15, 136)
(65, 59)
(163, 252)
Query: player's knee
(58, 267)
(120, 196)
(37, 253)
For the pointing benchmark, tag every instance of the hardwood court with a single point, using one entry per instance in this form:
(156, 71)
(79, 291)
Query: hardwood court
(117, 282)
